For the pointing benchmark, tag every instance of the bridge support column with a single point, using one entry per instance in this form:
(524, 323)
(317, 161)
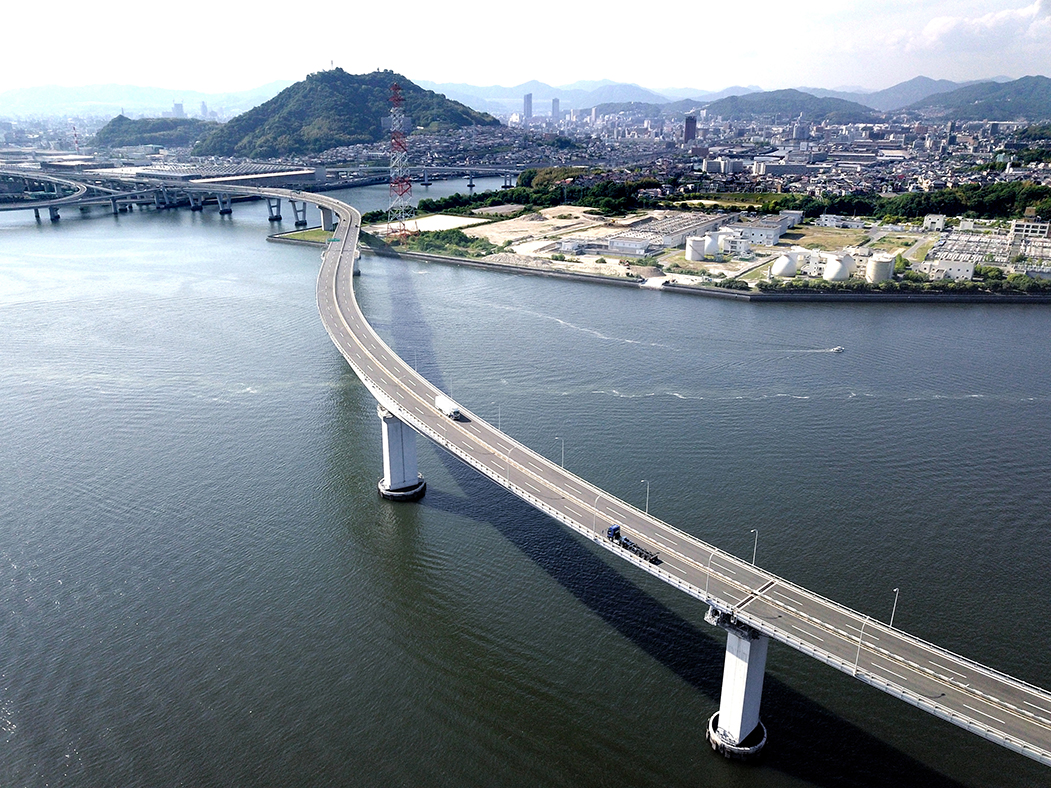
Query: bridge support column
(508, 178)
(470, 180)
(225, 204)
(113, 205)
(328, 222)
(401, 480)
(273, 205)
(196, 201)
(51, 209)
(300, 210)
(426, 177)
(736, 731)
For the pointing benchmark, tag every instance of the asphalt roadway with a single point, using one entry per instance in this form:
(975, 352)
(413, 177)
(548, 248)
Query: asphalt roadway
(984, 701)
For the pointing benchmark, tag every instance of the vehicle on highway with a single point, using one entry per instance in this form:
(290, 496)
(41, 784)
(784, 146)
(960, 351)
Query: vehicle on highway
(447, 406)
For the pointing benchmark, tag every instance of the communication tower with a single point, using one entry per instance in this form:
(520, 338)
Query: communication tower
(401, 209)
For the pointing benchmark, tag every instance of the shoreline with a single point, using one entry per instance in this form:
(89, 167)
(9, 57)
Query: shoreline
(706, 292)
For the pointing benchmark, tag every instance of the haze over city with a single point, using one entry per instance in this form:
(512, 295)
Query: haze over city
(813, 43)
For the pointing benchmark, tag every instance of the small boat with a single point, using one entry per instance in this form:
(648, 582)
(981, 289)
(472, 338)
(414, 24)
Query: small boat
(837, 349)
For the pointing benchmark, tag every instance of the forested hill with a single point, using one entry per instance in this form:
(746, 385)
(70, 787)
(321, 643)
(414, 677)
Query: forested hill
(330, 109)
(789, 104)
(1028, 98)
(168, 132)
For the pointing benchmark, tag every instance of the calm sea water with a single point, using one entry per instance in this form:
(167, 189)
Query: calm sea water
(201, 587)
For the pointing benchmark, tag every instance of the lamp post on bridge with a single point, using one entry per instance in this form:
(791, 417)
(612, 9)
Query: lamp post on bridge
(755, 543)
(647, 494)
(894, 609)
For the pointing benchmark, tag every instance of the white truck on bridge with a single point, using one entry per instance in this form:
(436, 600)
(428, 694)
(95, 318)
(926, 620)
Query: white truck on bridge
(447, 406)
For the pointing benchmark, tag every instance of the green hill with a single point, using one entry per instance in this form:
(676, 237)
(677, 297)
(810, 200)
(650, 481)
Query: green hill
(1028, 98)
(788, 104)
(331, 109)
(168, 132)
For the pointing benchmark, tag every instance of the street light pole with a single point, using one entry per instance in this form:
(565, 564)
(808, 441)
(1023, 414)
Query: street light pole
(647, 494)
(755, 544)
(708, 579)
(894, 609)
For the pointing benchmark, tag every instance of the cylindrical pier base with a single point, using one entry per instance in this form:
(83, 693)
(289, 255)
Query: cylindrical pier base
(743, 751)
(413, 493)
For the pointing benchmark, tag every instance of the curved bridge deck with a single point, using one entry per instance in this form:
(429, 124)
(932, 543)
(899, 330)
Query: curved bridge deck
(984, 701)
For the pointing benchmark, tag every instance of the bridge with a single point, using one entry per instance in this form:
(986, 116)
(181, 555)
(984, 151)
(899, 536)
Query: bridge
(750, 604)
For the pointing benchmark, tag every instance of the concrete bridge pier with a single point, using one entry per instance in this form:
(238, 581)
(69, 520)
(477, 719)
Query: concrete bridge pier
(328, 221)
(508, 181)
(470, 180)
(426, 177)
(196, 201)
(273, 206)
(53, 211)
(300, 210)
(736, 731)
(401, 480)
(114, 205)
(226, 206)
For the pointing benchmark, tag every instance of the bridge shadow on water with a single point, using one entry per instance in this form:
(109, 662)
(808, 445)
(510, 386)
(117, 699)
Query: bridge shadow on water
(807, 741)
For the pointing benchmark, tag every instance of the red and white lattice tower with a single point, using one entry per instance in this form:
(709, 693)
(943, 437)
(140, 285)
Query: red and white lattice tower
(401, 209)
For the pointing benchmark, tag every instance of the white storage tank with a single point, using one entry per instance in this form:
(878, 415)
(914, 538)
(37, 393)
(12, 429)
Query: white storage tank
(835, 270)
(783, 266)
(695, 249)
(879, 268)
(711, 245)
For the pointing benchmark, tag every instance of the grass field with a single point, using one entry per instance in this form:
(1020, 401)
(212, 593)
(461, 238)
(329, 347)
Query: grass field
(827, 239)
(892, 243)
(315, 234)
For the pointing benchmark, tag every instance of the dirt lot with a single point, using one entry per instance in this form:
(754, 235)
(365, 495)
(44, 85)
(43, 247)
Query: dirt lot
(827, 239)
(531, 232)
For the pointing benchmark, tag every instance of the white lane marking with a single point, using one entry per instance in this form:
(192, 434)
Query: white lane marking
(534, 465)
(943, 667)
(984, 714)
(574, 489)
(1038, 708)
(527, 484)
(891, 672)
(572, 511)
(655, 540)
(868, 632)
(807, 633)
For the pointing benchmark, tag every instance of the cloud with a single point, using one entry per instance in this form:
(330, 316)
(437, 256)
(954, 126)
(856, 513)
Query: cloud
(985, 33)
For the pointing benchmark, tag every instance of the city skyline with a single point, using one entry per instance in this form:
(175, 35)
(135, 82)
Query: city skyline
(817, 44)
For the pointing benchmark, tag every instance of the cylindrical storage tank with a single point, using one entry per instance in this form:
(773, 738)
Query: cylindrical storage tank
(694, 249)
(835, 270)
(879, 269)
(711, 245)
(783, 266)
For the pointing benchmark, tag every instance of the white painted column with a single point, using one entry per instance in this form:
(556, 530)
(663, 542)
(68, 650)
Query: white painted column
(399, 452)
(743, 672)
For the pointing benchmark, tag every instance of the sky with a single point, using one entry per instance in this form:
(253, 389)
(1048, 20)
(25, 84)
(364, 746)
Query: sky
(236, 45)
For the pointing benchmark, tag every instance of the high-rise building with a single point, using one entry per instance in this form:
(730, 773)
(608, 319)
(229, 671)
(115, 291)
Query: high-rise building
(527, 107)
(556, 111)
(690, 132)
